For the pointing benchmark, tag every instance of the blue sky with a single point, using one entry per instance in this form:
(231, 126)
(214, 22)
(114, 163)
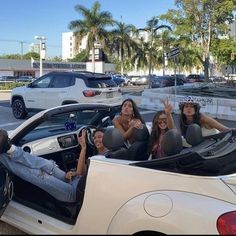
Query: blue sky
(21, 20)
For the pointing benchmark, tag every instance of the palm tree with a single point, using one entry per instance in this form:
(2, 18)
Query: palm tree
(122, 42)
(140, 57)
(151, 28)
(93, 26)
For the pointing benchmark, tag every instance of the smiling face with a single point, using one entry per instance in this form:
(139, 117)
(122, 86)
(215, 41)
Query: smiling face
(98, 139)
(127, 108)
(161, 121)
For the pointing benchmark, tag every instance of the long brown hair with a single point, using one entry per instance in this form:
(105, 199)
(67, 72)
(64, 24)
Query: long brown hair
(183, 119)
(156, 132)
(136, 113)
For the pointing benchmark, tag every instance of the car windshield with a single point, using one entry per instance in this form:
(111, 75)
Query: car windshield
(65, 122)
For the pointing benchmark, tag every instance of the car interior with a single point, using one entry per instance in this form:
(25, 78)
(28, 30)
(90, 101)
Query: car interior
(209, 156)
(63, 136)
(212, 155)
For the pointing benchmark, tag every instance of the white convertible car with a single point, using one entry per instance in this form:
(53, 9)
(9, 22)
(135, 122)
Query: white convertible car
(192, 191)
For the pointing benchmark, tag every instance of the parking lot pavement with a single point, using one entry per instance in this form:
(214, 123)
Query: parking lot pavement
(5, 95)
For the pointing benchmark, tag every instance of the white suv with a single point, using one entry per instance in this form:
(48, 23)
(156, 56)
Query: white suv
(60, 88)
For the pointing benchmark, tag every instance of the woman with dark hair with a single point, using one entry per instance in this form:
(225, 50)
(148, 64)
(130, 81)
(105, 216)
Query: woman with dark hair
(161, 123)
(128, 119)
(97, 139)
(190, 114)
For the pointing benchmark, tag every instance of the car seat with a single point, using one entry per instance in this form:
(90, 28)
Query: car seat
(114, 142)
(194, 134)
(172, 142)
(138, 150)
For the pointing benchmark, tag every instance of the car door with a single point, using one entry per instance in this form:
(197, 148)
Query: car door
(38, 93)
(60, 89)
(6, 188)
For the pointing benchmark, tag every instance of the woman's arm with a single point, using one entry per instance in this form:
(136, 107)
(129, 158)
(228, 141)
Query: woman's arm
(80, 170)
(126, 134)
(212, 123)
(168, 110)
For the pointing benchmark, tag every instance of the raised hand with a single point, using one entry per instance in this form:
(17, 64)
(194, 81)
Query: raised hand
(82, 139)
(167, 106)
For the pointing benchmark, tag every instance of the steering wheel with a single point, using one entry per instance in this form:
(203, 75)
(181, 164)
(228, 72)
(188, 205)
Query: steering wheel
(89, 133)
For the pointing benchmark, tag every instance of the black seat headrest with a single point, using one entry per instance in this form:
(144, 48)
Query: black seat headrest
(172, 142)
(113, 139)
(141, 134)
(194, 134)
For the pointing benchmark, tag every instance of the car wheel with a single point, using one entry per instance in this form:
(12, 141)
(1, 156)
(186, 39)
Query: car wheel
(18, 109)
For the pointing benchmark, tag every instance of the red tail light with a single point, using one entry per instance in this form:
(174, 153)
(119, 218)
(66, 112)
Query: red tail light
(226, 223)
(91, 93)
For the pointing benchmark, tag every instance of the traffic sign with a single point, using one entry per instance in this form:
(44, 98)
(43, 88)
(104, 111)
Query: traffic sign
(173, 53)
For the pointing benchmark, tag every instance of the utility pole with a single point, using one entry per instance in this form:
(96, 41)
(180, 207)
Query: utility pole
(40, 38)
(21, 48)
(18, 41)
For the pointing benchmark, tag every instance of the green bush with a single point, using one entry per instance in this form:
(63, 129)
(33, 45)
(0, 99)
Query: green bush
(10, 86)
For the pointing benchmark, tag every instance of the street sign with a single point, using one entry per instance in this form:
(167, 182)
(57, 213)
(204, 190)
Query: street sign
(173, 53)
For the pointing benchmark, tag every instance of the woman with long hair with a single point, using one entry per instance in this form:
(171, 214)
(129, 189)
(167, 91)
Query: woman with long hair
(161, 123)
(128, 119)
(190, 114)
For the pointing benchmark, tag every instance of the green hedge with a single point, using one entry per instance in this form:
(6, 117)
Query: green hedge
(10, 86)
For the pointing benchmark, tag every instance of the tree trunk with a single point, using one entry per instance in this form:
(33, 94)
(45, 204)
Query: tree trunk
(93, 59)
(150, 69)
(122, 62)
(206, 69)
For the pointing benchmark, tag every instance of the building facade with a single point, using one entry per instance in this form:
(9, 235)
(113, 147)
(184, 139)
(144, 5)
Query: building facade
(72, 45)
(10, 67)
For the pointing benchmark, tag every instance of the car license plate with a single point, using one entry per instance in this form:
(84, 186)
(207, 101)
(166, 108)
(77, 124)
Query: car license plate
(109, 95)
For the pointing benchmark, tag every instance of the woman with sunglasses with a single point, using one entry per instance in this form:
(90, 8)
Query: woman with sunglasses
(161, 123)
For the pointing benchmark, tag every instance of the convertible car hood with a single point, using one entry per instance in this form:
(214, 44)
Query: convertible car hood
(230, 181)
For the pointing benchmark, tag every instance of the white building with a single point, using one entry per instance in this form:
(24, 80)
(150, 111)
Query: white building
(72, 45)
(34, 47)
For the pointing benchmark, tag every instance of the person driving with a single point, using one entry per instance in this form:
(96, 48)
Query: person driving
(45, 173)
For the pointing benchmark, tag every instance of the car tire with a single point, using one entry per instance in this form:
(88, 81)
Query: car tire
(18, 109)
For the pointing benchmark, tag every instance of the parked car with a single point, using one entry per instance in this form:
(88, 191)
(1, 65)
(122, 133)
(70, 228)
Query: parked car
(141, 80)
(133, 78)
(217, 79)
(60, 88)
(181, 77)
(24, 79)
(118, 80)
(192, 78)
(8, 78)
(165, 81)
(189, 192)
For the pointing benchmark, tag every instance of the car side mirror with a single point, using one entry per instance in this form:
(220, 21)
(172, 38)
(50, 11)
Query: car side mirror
(30, 85)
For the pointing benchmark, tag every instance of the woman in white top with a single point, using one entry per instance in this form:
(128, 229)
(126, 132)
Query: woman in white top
(190, 114)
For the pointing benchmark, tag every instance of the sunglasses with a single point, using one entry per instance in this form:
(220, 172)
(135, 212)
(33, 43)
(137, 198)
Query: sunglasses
(162, 120)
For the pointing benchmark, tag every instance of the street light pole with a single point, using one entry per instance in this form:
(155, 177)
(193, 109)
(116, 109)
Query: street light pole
(40, 38)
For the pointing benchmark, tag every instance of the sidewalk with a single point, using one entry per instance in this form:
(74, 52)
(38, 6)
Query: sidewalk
(5, 95)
